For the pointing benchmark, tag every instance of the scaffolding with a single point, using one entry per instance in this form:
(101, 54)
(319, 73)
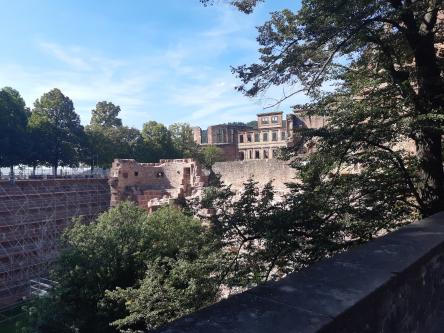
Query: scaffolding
(33, 214)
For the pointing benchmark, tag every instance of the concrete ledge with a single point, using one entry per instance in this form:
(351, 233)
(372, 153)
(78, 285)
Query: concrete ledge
(392, 284)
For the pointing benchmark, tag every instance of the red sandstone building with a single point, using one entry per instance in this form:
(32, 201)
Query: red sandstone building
(240, 142)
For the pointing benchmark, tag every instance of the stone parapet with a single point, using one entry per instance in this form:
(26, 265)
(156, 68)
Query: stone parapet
(392, 284)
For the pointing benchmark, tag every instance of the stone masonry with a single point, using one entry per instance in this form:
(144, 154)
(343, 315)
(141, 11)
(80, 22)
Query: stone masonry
(152, 185)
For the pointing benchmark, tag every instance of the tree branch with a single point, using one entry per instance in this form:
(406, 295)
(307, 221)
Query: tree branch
(324, 66)
(402, 167)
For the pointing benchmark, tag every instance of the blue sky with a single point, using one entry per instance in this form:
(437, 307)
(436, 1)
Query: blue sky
(167, 60)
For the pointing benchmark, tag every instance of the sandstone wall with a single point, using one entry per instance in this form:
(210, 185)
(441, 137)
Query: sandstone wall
(152, 185)
(237, 172)
(33, 214)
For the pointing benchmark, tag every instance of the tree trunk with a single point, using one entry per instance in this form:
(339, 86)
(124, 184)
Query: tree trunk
(11, 173)
(430, 101)
(431, 187)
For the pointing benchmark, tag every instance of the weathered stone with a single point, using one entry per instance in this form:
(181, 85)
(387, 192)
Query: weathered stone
(392, 284)
(152, 185)
(236, 173)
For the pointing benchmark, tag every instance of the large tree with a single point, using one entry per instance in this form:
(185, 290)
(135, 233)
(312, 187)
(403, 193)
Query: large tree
(13, 120)
(54, 117)
(379, 51)
(129, 270)
(158, 138)
(183, 140)
(108, 143)
(105, 114)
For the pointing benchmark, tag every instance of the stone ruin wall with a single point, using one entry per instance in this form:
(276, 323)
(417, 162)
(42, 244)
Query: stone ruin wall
(236, 173)
(152, 185)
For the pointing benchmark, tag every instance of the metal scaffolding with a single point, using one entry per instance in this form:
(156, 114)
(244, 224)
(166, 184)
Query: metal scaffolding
(33, 214)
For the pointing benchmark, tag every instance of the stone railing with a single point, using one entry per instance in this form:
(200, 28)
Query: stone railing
(392, 284)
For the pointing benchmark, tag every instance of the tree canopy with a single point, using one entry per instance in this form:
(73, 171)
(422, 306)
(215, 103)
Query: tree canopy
(183, 140)
(54, 116)
(158, 138)
(105, 114)
(130, 270)
(381, 59)
(13, 120)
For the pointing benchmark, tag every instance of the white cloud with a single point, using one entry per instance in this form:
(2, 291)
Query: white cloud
(183, 82)
(65, 55)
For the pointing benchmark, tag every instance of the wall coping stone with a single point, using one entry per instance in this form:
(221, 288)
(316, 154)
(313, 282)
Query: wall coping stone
(312, 299)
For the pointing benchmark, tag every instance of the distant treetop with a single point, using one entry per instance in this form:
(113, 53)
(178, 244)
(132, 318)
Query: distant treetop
(105, 114)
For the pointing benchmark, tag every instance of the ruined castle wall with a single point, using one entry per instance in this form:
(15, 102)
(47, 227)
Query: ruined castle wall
(153, 184)
(174, 173)
(236, 173)
(33, 214)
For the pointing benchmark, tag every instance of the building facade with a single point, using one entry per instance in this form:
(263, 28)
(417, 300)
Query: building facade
(240, 142)
(272, 133)
(223, 136)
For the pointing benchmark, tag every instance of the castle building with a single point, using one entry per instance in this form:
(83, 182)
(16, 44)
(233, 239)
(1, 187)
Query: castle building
(272, 132)
(224, 136)
(241, 142)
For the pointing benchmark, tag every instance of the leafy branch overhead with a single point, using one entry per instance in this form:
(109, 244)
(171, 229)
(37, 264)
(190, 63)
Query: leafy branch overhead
(381, 63)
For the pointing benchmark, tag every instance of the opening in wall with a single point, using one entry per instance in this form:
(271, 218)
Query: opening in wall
(274, 136)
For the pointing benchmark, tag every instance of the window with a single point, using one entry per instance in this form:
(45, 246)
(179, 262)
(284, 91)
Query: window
(257, 154)
(265, 153)
(274, 136)
(204, 137)
(220, 135)
(256, 137)
(274, 152)
(241, 155)
(250, 154)
(248, 137)
(265, 136)
(274, 119)
(241, 138)
(283, 135)
(265, 120)
(136, 173)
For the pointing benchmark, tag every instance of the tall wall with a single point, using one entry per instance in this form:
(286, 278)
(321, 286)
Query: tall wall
(33, 214)
(237, 173)
(152, 185)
